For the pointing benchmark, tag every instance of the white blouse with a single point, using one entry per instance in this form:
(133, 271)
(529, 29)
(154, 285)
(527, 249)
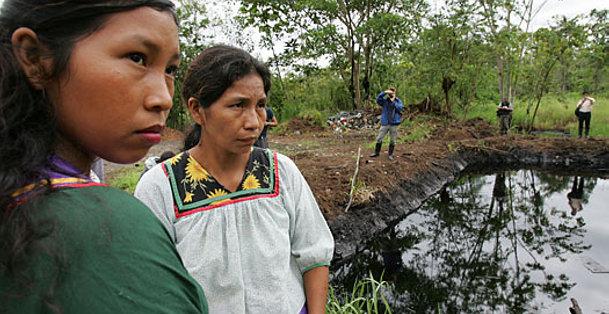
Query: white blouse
(585, 104)
(250, 248)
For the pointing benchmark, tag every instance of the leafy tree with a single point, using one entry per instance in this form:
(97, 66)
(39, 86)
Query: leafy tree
(192, 17)
(549, 46)
(595, 52)
(340, 30)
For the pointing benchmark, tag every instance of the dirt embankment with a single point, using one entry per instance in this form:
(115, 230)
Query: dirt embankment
(386, 190)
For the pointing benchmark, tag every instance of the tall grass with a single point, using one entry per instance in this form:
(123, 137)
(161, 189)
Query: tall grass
(366, 297)
(556, 112)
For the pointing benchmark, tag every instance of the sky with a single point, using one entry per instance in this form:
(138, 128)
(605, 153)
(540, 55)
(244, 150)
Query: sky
(568, 8)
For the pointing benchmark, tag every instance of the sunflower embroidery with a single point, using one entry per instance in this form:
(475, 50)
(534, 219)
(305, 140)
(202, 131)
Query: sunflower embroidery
(188, 197)
(194, 172)
(175, 159)
(216, 193)
(250, 183)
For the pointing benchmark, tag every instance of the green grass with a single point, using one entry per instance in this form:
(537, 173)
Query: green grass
(126, 179)
(410, 131)
(556, 112)
(366, 297)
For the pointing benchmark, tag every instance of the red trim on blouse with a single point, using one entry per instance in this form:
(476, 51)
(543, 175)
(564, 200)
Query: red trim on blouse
(25, 197)
(80, 185)
(229, 201)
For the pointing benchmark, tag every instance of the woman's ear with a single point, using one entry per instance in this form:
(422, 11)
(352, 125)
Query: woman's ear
(196, 111)
(28, 51)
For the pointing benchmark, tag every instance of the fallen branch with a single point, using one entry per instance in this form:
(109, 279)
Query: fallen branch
(359, 151)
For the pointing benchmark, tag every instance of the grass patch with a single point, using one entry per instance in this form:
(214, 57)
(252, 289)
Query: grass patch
(556, 112)
(366, 297)
(410, 131)
(126, 179)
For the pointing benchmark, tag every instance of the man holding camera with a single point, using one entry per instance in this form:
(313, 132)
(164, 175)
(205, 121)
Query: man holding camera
(391, 117)
(504, 114)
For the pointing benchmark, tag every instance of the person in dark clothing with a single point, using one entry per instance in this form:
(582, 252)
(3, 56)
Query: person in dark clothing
(391, 117)
(271, 121)
(576, 195)
(504, 113)
(500, 190)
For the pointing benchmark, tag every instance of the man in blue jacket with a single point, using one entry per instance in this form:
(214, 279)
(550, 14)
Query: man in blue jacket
(391, 117)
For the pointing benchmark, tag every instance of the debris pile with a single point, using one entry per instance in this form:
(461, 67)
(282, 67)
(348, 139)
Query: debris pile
(357, 119)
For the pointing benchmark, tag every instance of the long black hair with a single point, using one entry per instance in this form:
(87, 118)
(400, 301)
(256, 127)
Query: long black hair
(212, 72)
(28, 129)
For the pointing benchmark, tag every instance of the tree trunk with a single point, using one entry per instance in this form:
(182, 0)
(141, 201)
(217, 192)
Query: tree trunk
(447, 84)
(352, 81)
(508, 80)
(367, 70)
(500, 76)
(356, 78)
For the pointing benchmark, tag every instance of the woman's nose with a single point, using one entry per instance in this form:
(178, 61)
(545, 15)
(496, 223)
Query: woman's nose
(160, 93)
(253, 120)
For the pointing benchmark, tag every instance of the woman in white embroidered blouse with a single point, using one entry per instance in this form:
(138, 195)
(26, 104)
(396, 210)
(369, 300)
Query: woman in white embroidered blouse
(243, 219)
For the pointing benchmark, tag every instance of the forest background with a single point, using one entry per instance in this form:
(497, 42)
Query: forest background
(456, 62)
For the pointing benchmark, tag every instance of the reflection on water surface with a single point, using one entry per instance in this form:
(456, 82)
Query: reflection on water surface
(519, 241)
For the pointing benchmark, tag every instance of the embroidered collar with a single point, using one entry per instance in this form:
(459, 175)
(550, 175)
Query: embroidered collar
(194, 189)
(59, 173)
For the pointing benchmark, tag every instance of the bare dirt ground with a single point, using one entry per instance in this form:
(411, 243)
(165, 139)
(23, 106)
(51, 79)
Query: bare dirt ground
(328, 159)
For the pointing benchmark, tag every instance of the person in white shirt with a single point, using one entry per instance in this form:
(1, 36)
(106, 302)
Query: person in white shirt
(585, 114)
(243, 219)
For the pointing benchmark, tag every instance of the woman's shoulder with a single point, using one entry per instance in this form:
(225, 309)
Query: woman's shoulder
(107, 234)
(156, 175)
(94, 205)
(101, 194)
(284, 161)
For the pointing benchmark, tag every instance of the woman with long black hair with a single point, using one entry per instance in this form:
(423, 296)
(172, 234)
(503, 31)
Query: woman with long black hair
(81, 80)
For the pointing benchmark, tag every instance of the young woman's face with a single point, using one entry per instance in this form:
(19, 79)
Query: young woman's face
(116, 93)
(233, 122)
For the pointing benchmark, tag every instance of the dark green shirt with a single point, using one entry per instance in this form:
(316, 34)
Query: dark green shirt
(114, 257)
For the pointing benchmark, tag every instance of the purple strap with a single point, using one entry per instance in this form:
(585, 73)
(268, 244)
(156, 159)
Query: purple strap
(60, 168)
(304, 309)
(57, 168)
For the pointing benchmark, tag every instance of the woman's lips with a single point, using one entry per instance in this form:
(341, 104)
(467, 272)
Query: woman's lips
(153, 138)
(249, 140)
(152, 134)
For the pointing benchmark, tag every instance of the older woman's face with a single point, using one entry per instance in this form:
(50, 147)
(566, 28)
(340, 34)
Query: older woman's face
(117, 91)
(233, 122)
